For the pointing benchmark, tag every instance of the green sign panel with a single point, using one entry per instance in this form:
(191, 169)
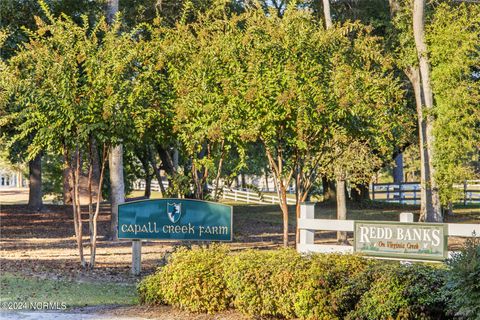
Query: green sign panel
(423, 241)
(175, 219)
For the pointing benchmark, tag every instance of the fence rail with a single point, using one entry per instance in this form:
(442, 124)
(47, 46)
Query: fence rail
(251, 197)
(141, 185)
(409, 192)
(248, 196)
(403, 193)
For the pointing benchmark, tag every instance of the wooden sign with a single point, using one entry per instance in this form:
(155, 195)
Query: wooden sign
(422, 241)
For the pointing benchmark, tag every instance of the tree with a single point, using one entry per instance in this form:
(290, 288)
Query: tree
(115, 160)
(74, 85)
(304, 88)
(433, 209)
(35, 183)
(203, 73)
(358, 86)
(452, 37)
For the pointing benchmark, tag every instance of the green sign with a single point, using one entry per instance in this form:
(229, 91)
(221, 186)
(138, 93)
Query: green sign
(423, 241)
(175, 219)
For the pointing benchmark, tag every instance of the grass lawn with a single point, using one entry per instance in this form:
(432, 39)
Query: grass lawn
(26, 289)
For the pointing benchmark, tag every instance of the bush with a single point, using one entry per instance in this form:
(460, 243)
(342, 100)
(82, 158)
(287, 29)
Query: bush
(334, 285)
(264, 283)
(150, 291)
(192, 280)
(403, 292)
(283, 283)
(463, 281)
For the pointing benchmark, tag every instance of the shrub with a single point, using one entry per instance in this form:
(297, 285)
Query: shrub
(264, 283)
(403, 292)
(463, 281)
(283, 283)
(334, 285)
(150, 291)
(192, 280)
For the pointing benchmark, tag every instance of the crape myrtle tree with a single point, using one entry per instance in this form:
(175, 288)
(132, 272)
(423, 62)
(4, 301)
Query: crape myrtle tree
(15, 17)
(154, 94)
(16, 151)
(203, 71)
(303, 87)
(75, 84)
(374, 119)
(283, 93)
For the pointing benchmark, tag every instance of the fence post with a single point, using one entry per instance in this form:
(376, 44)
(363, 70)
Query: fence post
(307, 211)
(400, 192)
(136, 257)
(465, 192)
(406, 217)
(235, 193)
(248, 197)
(415, 194)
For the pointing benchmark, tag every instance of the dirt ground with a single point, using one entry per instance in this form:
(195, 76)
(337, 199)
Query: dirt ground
(43, 244)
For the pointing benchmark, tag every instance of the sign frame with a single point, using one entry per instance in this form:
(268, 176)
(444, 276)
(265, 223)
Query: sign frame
(403, 256)
(175, 239)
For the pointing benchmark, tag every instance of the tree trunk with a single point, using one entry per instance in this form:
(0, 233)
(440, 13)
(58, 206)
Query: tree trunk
(156, 171)
(414, 76)
(117, 185)
(329, 193)
(67, 192)
(284, 207)
(168, 163)
(341, 209)
(143, 155)
(280, 184)
(327, 14)
(175, 159)
(115, 164)
(35, 183)
(148, 186)
(219, 172)
(112, 9)
(77, 209)
(244, 183)
(398, 169)
(93, 231)
(266, 179)
(433, 210)
(360, 192)
(90, 202)
(96, 166)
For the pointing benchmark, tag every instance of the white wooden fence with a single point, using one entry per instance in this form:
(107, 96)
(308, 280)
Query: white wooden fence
(307, 225)
(237, 195)
(409, 192)
(140, 184)
(251, 197)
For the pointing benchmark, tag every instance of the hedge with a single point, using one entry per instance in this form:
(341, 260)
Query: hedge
(284, 284)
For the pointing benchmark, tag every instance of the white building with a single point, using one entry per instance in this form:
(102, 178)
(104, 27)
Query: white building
(11, 179)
